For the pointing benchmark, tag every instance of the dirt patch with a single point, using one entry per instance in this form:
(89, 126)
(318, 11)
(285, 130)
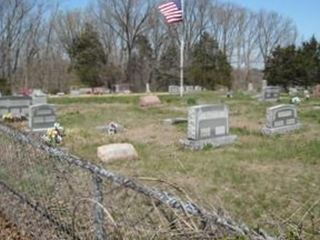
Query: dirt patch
(9, 231)
(154, 133)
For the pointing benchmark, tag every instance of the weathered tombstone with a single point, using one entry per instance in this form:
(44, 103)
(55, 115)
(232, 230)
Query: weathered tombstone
(281, 119)
(189, 89)
(149, 101)
(74, 92)
(41, 117)
(316, 91)
(293, 92)
(250, 87)
(197, 88)
(38, 97)
(208, 125)
(174, 89)
(17, 105)
(264, 84)
(271, 93)
(118, 151)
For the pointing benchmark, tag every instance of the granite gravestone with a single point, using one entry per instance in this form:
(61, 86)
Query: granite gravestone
(208, 125)
(271, 93)
(38, 97)
(17, 105)
(41, 117)
(281, 119)
(174, 89)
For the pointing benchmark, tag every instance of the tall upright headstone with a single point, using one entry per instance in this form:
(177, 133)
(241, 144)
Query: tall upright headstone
(38, 97)
(281, 119)
(41, 117)
(208, 124)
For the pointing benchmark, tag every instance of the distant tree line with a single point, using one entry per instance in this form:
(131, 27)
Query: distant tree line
(43, 45)
(294, 65)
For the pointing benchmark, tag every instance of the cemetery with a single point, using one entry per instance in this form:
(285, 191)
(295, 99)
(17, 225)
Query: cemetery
(214, 149)
(161, 120)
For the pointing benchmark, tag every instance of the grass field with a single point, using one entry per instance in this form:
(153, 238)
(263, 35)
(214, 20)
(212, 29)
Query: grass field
(264, 181)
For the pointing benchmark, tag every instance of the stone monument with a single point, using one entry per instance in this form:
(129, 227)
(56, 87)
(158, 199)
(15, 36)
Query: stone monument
(41, 117)
(208, 125)
(281, 119)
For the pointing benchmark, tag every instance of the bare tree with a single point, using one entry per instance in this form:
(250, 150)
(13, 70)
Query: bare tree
(274, 30)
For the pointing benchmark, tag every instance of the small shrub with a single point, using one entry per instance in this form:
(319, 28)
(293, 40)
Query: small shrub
(191, 101)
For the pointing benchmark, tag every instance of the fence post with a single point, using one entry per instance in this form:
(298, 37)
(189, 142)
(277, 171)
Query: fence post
(97, 210)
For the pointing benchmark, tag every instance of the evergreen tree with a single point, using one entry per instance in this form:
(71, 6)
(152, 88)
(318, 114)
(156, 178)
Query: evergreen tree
(282, 67)
(87, 55)
(141, 66)
(309, 59)
(168, 71)
(209, 66)
(291, 66)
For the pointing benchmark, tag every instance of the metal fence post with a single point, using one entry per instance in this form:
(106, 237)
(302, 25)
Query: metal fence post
(97, 209)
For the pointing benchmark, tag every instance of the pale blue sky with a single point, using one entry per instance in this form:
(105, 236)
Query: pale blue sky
(305, 13)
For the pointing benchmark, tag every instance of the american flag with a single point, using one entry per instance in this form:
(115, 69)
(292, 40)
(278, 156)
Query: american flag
(172, 11)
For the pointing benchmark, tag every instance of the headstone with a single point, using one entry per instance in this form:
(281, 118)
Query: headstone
(316, 91)
(264, 84)
(189, 89)
(149, 101)
(119, 151)
(41, 117)
(281, 119)
(306, 94)
(293, 92)
(271, 93)
(208, 124)
(38, 97)
(74, 92)
(60, 94)
(250, 87)
(198, 88)
(17, 105)
(174, 90)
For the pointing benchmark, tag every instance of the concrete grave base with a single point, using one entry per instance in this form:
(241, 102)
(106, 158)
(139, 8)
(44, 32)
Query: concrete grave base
(172, 121)
(280, 130)
(215, 142)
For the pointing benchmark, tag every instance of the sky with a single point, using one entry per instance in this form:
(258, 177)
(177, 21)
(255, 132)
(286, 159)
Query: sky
(305, 13)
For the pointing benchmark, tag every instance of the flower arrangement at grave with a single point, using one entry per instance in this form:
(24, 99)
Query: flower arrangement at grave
(54, 136)
(296, 100)
(8, 117)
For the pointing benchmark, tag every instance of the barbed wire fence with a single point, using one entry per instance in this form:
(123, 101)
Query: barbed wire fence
(51, 194)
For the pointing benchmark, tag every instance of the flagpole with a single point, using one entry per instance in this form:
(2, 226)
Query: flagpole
(182, 50)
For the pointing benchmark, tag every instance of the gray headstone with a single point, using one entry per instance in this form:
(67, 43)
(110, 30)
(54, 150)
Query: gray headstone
(17, 105)
(264, 84)
(41, 117)
(174, 89)
(38, 97)
(271, 93)
(281, 119)
(208, 124)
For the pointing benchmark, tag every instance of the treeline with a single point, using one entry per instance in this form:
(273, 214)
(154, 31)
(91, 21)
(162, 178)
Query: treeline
(294, 65)
(43, 45)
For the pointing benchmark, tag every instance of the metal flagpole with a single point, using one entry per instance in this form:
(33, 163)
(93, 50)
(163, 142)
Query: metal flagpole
(182, 50)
